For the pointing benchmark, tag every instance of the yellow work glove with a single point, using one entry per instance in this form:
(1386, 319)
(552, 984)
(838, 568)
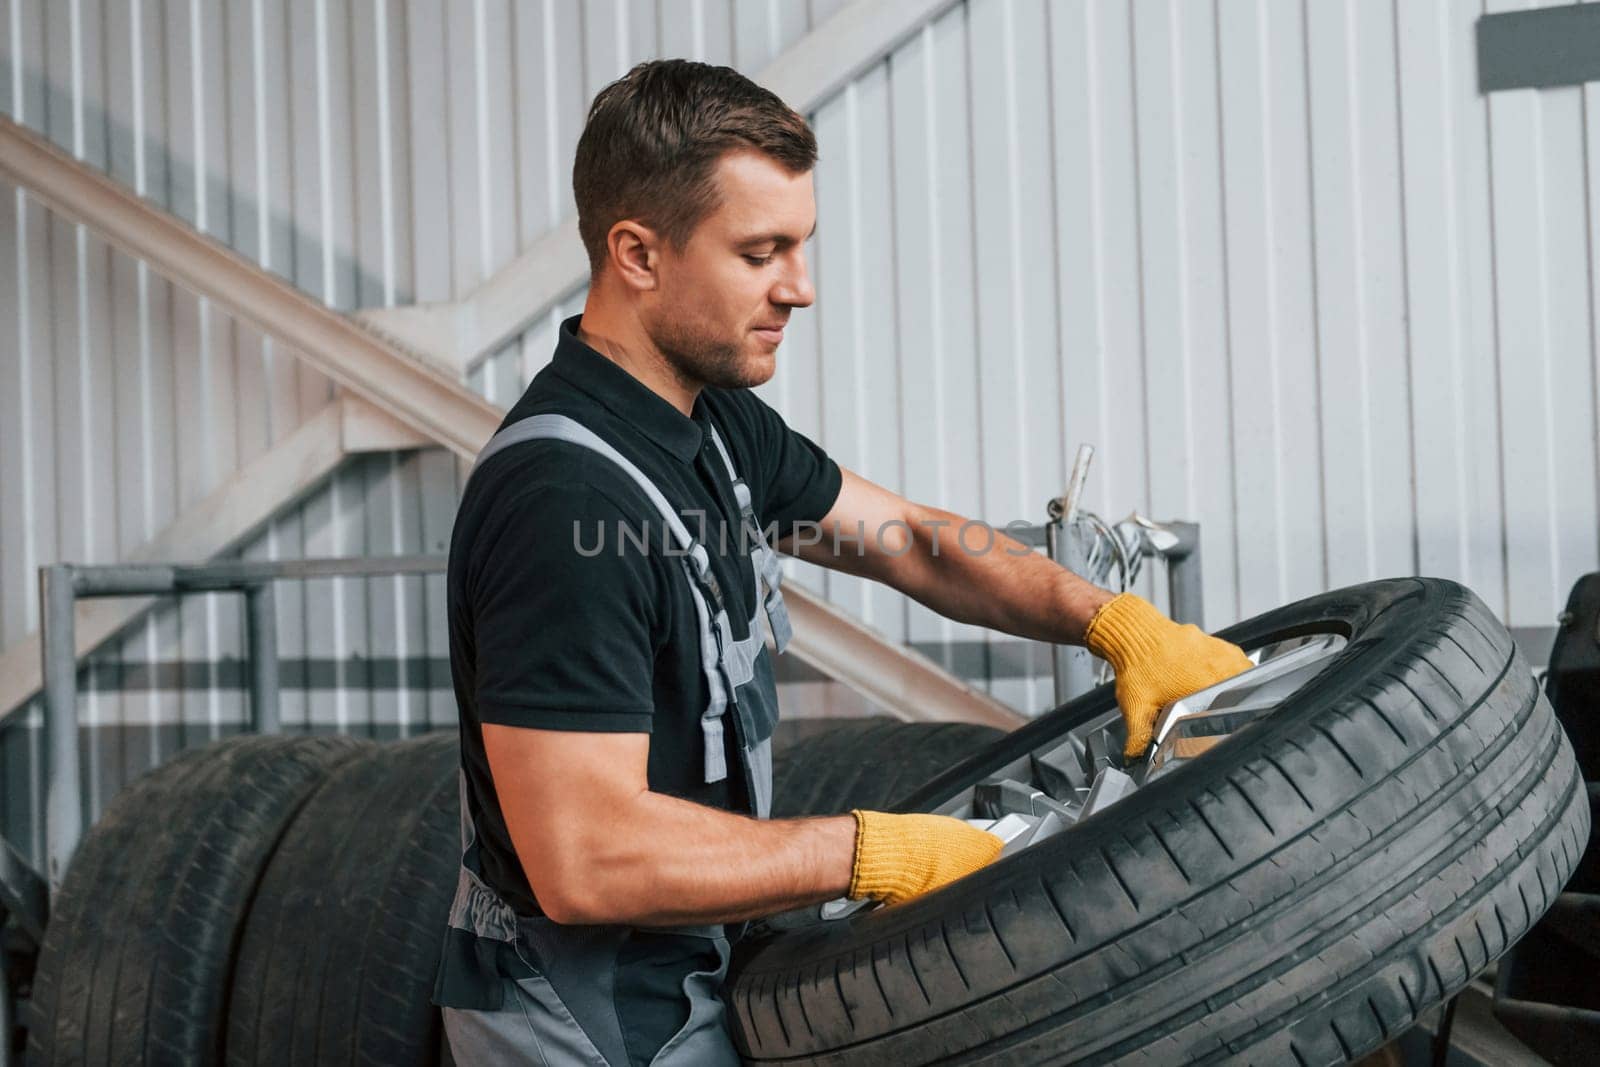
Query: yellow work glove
(1156, 660)
(903, 856)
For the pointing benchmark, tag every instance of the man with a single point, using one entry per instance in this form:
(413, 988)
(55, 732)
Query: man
(616, 695)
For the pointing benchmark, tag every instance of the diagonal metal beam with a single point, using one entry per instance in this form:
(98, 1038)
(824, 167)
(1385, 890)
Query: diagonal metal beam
(424, 398)
(455, 335)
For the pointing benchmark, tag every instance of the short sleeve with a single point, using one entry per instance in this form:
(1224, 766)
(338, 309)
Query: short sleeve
(800, 481)
(562, 621)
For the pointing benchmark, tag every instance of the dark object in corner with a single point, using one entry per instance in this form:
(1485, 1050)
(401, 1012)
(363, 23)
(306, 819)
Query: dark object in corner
(1537, 49)
(1545, 992)
(1573, 683)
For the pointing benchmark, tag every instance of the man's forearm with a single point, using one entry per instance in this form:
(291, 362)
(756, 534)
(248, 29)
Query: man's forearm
(998, 583)
(664, 861)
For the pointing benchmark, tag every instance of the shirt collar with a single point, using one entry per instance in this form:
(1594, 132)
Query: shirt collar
(626, 396)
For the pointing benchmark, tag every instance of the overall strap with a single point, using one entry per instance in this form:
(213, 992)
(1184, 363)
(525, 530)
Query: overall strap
(565, 428)
(716, 633)
(764, 559)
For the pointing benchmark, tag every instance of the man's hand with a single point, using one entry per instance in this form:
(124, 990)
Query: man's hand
(899, 857)
(1156, 660)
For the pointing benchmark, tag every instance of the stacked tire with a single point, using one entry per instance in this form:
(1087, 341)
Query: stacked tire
(338, 954)
(257, 900)
(136, 960)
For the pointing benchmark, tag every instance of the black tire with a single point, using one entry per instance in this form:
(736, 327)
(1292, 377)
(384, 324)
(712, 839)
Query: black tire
(828, 766)
(1298, 895)
(136, 957)
(338, 956)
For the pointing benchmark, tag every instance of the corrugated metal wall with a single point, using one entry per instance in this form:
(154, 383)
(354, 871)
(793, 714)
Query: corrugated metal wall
(1280, 262)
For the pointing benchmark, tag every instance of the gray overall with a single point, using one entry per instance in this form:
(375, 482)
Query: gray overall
(523, 989)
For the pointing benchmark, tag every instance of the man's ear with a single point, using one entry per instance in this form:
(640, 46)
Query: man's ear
(634, 254)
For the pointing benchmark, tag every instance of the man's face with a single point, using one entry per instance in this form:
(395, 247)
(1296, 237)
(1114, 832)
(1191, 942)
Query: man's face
(723, 300)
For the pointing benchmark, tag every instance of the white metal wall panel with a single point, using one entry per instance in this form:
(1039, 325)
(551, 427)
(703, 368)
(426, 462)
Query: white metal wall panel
(856, 336)
(1359, 310)
(1277, 450)
(1449, 265)
(1544, 341)
(1019, 412)
(1182, 260)
(933, 280)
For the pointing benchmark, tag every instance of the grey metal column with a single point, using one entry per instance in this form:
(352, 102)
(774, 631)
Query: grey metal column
(63, 809)
(262, 617)
(1184, 587)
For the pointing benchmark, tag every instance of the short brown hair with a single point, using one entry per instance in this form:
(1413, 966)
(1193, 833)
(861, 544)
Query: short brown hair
(653, 137)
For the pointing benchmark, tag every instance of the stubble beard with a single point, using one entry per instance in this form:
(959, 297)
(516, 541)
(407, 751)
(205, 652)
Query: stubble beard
(701, 358)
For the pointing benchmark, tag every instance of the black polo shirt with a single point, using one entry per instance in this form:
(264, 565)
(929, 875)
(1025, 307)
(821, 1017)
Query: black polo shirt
(564, 629)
